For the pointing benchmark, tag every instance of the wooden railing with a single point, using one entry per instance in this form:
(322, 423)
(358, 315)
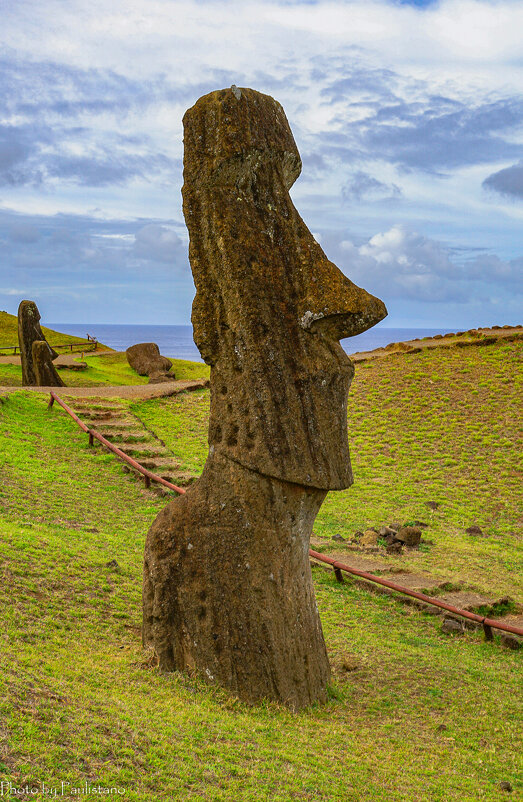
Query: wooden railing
(488, 623)
(89, 345)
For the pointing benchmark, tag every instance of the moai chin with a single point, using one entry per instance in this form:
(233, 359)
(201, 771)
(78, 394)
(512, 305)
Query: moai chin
(227, 581)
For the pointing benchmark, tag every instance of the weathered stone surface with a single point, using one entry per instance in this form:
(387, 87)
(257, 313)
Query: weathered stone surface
(370, 538)
(452, 626)
(45, 372)
(158, 377)
(227, 582)
(145, 359)
(29, 331)
(409, 535)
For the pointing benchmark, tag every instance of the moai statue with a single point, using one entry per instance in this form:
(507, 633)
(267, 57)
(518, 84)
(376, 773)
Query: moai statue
(29, 331)
(227, 582)
(45, 372)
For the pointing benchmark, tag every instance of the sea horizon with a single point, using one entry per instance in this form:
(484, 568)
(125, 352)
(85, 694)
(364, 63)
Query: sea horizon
(177, 342)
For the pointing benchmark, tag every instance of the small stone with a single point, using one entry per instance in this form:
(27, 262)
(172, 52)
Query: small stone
(395, 526)
(394, 548)
(385, 531)
(506, 786)
(432, 505)
(409, 535)
(474, 530)
(510, 641)
(370, 538)
(112, 564)
(442, 728)
(451, 626)
(76, 366)
(338, 537)
(357, 536)
(421, 524)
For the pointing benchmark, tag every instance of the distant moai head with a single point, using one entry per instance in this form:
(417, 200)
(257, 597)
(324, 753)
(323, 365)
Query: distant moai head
(270, 308)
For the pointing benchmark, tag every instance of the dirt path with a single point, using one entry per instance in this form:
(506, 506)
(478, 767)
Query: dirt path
(141, 391)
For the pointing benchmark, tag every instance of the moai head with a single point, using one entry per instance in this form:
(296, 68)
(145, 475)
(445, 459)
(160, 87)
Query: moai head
(270, 308)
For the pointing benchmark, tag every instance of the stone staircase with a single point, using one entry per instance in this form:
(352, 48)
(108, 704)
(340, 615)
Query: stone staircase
(114, 420)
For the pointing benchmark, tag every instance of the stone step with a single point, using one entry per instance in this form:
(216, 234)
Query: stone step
(179, 479)
(128, 437)
(99, 407)
(160, 463)
(136, 450)
(471, 601)
(100, 415)
(121, 425)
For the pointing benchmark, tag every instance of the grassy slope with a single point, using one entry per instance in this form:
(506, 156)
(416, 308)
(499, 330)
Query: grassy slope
(79, 699)
(436, 426)
(110, 369)
(9, 333)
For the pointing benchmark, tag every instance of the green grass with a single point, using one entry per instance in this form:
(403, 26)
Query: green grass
(9, 333)
(110, 369)
(81, 701)
(436, 426)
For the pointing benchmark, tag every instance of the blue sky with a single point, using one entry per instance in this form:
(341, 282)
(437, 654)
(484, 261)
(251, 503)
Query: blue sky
(408, 117)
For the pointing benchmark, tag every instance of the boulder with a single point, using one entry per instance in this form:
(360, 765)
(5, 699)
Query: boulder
(409, 535)
(145, 359)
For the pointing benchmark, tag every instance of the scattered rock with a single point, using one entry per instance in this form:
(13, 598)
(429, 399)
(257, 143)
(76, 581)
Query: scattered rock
(451, 626)
(395, 548)
(506, 786)
(158, 378)
(442, 728)
(395, 526)
(475, 530)
(356, 537)
(510, 641)
(421, 524)
(112, 564)
(370, 538)
(76, 366)
(409, 535)
(385, 531)
(432, 505)
(338, 537)
(92, 529)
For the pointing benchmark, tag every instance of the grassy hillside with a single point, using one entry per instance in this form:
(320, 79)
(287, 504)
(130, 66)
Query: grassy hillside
(9, 333)
(414, 715)
(109, 369)
(435, 426)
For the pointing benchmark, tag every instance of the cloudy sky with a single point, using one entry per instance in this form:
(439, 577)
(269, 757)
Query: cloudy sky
(408, 117)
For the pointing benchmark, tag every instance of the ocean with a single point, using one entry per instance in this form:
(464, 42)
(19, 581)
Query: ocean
(177, 341)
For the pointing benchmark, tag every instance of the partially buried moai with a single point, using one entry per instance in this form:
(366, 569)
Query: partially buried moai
(29, 332)
(227, 582)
